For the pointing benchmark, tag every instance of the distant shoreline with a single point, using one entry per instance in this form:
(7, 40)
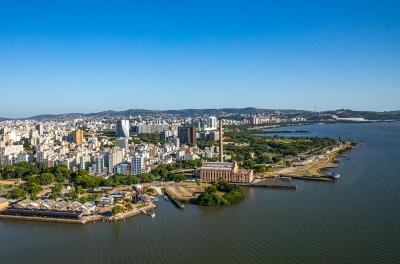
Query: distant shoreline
(316, 168)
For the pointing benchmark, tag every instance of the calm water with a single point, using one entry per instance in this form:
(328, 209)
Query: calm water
(356, 220)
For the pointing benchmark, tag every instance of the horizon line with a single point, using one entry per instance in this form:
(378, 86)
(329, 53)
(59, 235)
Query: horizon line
(183, 109)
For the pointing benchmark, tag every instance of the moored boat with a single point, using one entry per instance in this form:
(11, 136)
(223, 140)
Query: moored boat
(332, 175)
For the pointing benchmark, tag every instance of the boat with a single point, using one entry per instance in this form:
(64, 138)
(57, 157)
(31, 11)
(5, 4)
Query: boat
(285, 178)
(166, 198)
(332, 175)
(153, 214)
(344, 157)
(155, 199)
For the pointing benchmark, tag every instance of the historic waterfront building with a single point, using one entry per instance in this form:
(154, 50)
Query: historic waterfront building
(225, 171)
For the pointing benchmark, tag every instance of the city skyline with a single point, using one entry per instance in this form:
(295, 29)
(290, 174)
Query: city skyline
(199, 131)
(62, 58)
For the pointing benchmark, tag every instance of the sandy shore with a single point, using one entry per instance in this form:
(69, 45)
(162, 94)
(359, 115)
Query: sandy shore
(185, 191)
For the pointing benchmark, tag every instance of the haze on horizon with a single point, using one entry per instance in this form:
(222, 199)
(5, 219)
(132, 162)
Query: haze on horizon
(99, 55)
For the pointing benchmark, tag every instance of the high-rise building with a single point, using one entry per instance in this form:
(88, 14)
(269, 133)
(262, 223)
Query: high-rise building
(212, 123)
(113, 158)
(187, 135)
(84, 162)
(100, 165)
(77, 136)
(123, 168)
(39, 128)
(137, 164)
(122, 128)
(122, 143)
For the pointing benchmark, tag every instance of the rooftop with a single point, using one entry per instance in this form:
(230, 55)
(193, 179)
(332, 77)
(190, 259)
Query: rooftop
(218, 165)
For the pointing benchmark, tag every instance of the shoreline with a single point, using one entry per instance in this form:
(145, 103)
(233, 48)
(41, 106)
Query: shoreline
(84, 220)
(315, 169)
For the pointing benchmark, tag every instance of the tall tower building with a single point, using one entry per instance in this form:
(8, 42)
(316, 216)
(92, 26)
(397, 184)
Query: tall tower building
(78, 136)
(100, 165)
(122, 128)
(137, 164)
(187, 135)
(212, 123)
(221, 142)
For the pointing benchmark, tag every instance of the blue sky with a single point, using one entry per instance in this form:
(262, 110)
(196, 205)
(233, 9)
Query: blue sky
(83, 57)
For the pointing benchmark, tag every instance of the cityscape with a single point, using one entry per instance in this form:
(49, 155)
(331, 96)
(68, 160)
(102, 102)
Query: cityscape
(90, 168)
(191, 132)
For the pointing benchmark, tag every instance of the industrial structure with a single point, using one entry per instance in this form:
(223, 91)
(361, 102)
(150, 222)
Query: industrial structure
(224, 171)
(221, 141)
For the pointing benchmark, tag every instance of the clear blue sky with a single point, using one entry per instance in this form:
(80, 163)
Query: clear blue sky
(84, 56)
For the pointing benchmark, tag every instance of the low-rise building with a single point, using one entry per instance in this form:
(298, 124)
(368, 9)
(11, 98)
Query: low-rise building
(225, 171)
(3, 203)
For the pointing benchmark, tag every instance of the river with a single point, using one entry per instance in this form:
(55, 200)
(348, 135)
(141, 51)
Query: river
(355, 220)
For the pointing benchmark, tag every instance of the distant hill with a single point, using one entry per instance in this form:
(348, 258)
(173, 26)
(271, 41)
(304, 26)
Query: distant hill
(232, 112)
(369, 115)
(181, 113)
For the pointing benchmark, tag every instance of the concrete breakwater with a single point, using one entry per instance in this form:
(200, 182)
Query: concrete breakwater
(83, 220)
(312, 178)
(131, 213)
(274, 183)
(173, 199)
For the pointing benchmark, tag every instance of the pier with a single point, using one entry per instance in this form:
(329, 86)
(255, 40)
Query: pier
(274, 183)
(83, 220)
(173, 199)
(311, 178)
(11, 215)
(131, 213)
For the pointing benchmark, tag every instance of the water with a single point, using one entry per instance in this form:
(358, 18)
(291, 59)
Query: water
(355, 220)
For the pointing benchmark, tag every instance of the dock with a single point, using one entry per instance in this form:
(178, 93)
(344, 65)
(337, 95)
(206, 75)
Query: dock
(311, 178)
(173, 199)
(83, 220)
(274, 183)
(131, 213)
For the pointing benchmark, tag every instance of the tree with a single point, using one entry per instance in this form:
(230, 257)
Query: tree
(61, 173)
(211, 189)
(117, 209)
(179, 177)
(46, 178)
(150, 191)
(221, 194)
(16, 193)
(56, 190)
(33, 188)
(73, 196)
(146, 177)
(79, 190)
(83, 199)
(88, 181)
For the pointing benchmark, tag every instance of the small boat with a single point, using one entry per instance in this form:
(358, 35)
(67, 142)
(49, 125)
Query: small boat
(166, 198)
(332, 175)
(153, 214)
(155, 199)
(285, 178)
